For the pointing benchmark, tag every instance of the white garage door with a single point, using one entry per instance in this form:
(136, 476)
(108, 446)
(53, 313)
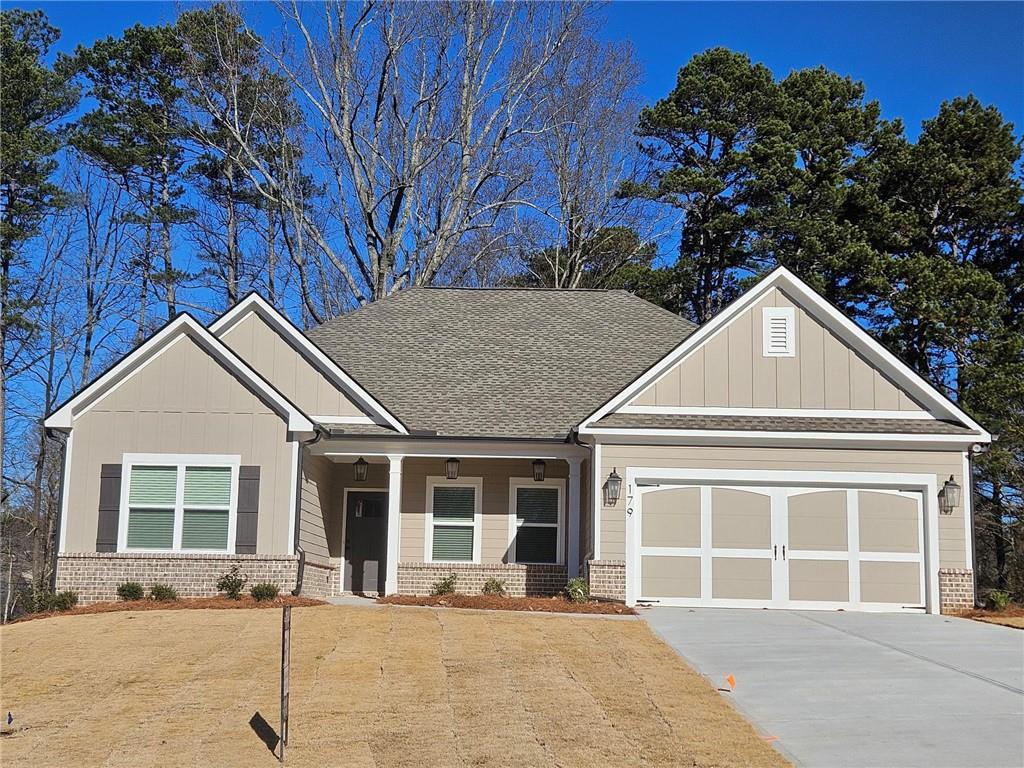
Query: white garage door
(784, 547)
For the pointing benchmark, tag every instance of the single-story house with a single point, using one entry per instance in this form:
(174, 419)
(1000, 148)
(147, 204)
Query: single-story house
(777, 456)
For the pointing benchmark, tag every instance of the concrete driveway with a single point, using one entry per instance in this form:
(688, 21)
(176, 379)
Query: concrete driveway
(862, 689)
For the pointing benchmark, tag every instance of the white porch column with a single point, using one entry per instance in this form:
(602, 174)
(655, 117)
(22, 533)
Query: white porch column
(574, 517)
(394, 523)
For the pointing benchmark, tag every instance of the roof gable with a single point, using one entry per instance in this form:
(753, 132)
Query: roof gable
(160, 342)
(272, 345)
(836, 369)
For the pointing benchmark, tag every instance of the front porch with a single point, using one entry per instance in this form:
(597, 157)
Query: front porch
(396, 516)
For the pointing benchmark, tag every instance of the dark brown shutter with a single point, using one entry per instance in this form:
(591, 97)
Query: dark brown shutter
(110, 506)
(248, 510)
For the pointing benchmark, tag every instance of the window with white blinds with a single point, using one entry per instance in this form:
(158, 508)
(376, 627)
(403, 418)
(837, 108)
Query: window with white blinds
(779, 332)
(536, 521)
(454, 522)
(179, 504)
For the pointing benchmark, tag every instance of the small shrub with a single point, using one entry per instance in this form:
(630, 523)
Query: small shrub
(264, 591)
(494, 586)
(55, 601)
(232, 583)
(998, 600)
(577, 590)
(130, 590)
(162, 592)
(445, 586)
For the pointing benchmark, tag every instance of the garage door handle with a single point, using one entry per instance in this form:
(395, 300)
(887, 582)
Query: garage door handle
(775, 552)
(783, 551)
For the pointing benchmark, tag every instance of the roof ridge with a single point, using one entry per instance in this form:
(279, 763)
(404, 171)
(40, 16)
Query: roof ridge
(513, 288)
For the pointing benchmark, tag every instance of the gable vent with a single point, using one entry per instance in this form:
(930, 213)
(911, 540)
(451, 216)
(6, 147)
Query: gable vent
(779, 332)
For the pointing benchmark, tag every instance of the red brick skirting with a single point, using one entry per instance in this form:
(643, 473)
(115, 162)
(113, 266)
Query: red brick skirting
(956, 590)
(96, 575)
(520, 580)
(607, 579)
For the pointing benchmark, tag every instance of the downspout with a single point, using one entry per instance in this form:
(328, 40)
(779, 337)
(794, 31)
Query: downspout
(318, 434)
(974, 546)
(50, 433)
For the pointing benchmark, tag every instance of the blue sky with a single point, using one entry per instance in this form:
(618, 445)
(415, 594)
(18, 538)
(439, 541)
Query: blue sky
(911, 55)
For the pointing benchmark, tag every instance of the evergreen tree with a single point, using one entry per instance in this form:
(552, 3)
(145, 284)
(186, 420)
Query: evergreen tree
(716, 147)
(137, 133)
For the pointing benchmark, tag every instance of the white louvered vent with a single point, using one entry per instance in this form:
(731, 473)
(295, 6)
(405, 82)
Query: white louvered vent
(779, 332)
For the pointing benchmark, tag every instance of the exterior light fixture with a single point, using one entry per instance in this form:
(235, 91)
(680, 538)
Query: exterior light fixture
(949, 496)
(612, 489)
(451, 469)
(359, 470)
(538, 470)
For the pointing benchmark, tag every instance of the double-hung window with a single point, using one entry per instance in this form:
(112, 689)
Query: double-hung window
(453, 520)
(178, 503)
(536, 522)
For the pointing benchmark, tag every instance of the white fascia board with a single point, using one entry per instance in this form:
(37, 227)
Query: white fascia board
(349, 448)
(833, 319)
(181, 325)
(256, 303)
(781, 439)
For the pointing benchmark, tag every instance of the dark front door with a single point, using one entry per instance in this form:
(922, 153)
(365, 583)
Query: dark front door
(366, 537)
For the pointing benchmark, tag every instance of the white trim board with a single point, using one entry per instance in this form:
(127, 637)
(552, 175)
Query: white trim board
(254, 303)
(182, 325)
(656, 436)
(833, 319)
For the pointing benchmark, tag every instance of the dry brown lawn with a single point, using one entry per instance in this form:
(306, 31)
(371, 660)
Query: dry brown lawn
(370, 686)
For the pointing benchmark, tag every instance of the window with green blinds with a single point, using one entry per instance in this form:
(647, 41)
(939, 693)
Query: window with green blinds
(208, 486)
(204, 529)
(150, 528)
(454, 513)
(537, 505)
(454, 503)
(155, 486)
(536, 539)
(201, 509)
(453, 542)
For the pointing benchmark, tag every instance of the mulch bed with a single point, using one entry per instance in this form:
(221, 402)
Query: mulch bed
(217, 603)
(1013, 613)
(556, 604)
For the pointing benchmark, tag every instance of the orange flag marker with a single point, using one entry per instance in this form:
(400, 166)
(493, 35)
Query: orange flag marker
(731, 681)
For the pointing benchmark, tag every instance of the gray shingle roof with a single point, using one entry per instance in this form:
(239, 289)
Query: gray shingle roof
(782, 424)
(515, 363)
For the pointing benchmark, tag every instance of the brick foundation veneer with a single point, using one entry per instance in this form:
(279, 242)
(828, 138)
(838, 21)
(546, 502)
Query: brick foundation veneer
(956, 590)
(520, 580)
(607, 579)
(318, 580)
(95, 575)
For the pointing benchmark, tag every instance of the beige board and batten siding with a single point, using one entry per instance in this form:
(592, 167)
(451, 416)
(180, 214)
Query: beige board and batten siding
(183, 401)
(496, 474)
(263, 348)
(952, 535)
(730, 370)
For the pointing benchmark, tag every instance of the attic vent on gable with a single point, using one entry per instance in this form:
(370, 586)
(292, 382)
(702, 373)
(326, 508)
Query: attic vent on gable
(779, 332)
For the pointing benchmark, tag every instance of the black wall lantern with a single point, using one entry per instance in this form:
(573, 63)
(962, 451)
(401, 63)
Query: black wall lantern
(612, 489)
(451, 469)
(949, 496)
(359, 470)
(539, 468)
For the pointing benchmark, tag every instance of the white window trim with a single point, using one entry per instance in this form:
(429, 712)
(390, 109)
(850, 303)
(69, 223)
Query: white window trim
(513, 517)
(770, 314)
(477, 484)
(179, 460)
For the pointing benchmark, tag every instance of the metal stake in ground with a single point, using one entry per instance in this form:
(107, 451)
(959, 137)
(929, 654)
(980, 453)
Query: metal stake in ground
(286, 649)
